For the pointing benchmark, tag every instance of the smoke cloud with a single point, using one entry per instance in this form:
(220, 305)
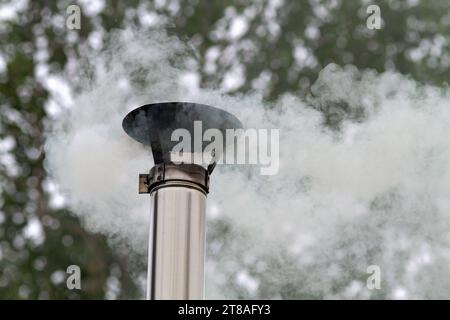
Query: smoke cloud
(364, 175)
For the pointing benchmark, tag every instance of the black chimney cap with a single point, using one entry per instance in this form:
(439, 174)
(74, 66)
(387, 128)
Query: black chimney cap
(153, 124)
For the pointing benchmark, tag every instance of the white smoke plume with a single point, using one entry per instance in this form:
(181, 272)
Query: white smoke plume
(364, 174)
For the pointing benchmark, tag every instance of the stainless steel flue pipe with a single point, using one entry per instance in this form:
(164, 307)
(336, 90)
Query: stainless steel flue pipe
(177, 230)
(178, 195)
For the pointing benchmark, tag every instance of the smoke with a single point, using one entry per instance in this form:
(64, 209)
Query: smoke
(363, 176)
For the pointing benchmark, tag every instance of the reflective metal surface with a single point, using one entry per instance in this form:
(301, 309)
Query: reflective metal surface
(177, 242)
(178, 192)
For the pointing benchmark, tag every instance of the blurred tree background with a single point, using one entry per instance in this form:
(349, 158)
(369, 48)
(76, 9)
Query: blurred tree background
(277, 46)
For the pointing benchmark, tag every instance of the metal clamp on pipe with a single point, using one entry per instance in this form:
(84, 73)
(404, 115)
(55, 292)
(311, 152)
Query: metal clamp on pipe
(171, 174)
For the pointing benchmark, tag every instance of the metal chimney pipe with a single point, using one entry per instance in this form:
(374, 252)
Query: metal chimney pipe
(178, 196)
(177, 231)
